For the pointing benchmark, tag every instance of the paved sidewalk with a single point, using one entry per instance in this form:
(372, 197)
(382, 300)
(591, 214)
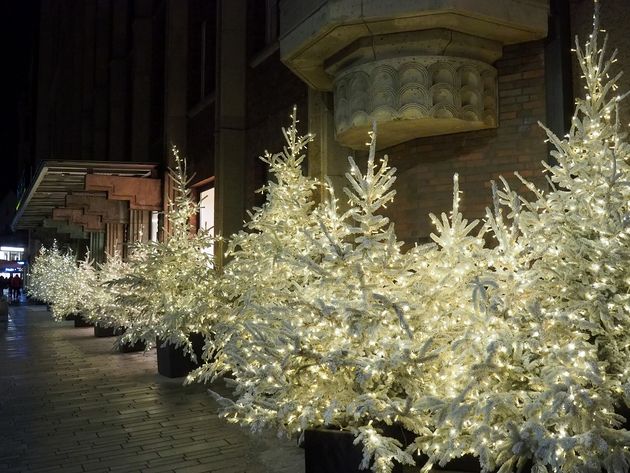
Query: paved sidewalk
(70, 403)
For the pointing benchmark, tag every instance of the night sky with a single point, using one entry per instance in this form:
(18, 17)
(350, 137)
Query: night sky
(17, 42)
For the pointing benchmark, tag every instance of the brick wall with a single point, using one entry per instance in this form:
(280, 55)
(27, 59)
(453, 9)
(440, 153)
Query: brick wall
(426, 165)
(614, 20)
(272, 91)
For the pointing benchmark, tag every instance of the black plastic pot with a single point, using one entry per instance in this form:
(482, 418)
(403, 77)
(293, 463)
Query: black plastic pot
(465, 463)
(624, 411)
(79, 321)
(130, 348)
(104, 331)
(332, 451)
(172, 362)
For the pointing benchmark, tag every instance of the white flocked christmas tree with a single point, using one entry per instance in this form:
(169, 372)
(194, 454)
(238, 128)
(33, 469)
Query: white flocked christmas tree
(168, 285)
(55, 278)
(255, 274)
(547, 363)
(338, 348)
(514, 352)
(101, 307)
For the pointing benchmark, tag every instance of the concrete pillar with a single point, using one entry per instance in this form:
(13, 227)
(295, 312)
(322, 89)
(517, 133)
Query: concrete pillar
(45, 69)
(102, 48)
(74, 102)
(326, 157)
(119, 84)
(230, 135)
(87, 107)
(142, 33)
(175, 81)
(119, 117)
(558, 80)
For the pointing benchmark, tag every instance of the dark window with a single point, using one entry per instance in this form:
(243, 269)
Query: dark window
(271, 21)
(201, 50)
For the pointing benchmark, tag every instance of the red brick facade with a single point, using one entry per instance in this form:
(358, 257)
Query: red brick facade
(426, 166)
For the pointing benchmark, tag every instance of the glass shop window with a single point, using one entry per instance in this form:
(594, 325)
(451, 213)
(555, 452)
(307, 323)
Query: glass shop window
(206, 213)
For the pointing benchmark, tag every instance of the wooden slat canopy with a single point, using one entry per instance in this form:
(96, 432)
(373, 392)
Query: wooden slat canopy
(56, 180)
(141, 193)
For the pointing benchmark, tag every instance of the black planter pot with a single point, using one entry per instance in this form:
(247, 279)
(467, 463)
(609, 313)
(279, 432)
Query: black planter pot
(332, 451)
(104, 331)
(465, 463)
(130, 348)
(624, 411)
(172, 362)
(79, 321)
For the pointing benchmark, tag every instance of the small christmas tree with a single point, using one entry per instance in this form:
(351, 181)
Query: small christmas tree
(39, 283)
(101, 307)
(167, 284)
(340, 336)
(56, 279)
(449, 309)
(80, 286)
(255, 273)
(545, 387)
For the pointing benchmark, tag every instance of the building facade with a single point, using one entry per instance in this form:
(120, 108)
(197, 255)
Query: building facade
(454, 85)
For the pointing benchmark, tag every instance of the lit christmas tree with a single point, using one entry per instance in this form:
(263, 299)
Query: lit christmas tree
(551, 371)
(255, 273)
(79, 283)
(345, 340)
(100, 306)
(164, 290)
(56, 280)
(40, 285)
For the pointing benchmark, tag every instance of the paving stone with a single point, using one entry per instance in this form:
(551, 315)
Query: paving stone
(70, 403)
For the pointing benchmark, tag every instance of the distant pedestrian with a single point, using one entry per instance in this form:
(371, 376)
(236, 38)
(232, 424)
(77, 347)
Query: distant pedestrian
(4, 284)
(10, 287)
(15, 283)
(20, 285)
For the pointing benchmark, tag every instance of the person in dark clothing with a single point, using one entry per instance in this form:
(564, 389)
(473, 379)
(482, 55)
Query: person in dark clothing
(16, 287)
(10, 287)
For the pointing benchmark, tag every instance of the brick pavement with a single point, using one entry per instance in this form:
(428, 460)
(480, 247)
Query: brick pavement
(70, 403)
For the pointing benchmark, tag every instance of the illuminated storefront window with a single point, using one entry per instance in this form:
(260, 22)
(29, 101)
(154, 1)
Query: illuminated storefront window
(206, 213)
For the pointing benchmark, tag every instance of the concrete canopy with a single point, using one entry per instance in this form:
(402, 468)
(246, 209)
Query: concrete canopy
(56, 179)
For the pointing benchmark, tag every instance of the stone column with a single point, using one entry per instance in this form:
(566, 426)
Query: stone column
(558, 80)
(87, 105)
(142, 32)
(119, 84)
(46, 60)
(326, 157)
(175, 81)
(230, 136)
(102, 52)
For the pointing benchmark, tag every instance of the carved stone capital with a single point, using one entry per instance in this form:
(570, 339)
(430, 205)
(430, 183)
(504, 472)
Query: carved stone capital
(417, 68)
(414, 96)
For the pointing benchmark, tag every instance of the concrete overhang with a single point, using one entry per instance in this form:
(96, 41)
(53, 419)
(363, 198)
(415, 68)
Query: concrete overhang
(56, 179)
(417, 68)
(311, 31)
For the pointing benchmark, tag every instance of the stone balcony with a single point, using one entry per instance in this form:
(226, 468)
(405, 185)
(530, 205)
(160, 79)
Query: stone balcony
(418, 68)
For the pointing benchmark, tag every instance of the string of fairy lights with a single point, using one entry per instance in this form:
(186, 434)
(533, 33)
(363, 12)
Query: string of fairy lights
(514, 352)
